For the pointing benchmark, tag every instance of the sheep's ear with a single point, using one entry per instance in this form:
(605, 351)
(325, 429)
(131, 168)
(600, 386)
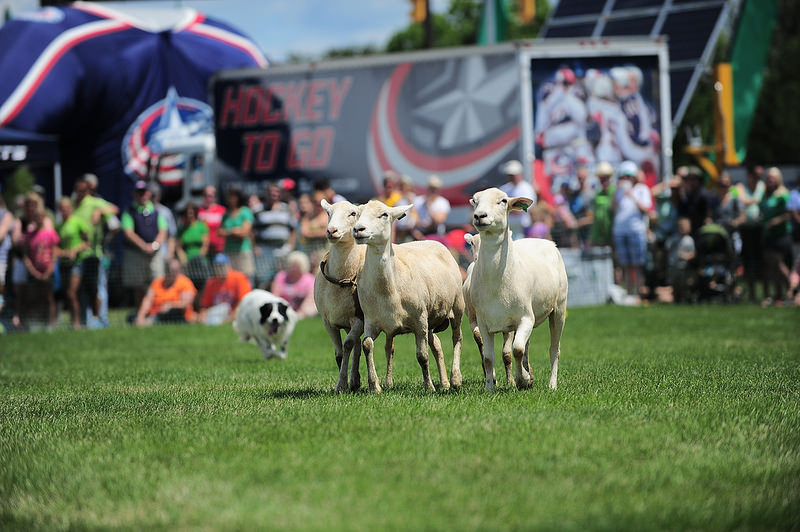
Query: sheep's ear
(520, 203)
(400, 212)
(325, 205)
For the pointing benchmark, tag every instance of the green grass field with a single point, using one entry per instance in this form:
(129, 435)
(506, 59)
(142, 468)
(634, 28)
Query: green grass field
(676, 418)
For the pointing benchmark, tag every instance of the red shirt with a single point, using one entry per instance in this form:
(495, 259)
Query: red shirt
(212, 216)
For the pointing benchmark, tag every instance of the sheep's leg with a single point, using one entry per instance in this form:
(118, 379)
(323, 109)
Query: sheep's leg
(508, 339)
(557, 320)
(336, 338)
(368, 345)
(521, 338)
(438, 356)
(422, 358)
(352, 343)
(458, 340)
(389, 349)
(526, 361)
(488, 358)
(476, 335)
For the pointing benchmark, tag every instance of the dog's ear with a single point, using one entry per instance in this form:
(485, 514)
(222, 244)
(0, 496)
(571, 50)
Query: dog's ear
(283, 308)
(266, 310)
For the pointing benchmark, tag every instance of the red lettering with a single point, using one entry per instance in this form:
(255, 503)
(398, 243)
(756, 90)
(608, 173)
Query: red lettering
(293, 100)
(269, 115)
(249, 110)
(337, 96)
(322, 147)
(311, 148)
(299, 149)
(314, 98)
(260, 151)
(248, 139)
(270, 142)
(230, 106)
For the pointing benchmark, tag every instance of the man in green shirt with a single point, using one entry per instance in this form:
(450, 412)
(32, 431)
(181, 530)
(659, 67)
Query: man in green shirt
(145, 232)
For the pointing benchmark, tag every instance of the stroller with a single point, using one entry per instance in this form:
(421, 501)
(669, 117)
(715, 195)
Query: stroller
(716, 263)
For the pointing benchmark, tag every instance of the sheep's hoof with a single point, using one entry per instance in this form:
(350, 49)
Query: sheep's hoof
(355, 384)
(389, 383)
(523, 384)
(339, 388)
(455, 379)
(375, 387)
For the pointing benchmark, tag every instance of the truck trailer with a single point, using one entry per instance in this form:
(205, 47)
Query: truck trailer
(458, 113)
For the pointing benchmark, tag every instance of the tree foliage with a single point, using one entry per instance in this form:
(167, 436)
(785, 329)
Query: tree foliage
(458, 26)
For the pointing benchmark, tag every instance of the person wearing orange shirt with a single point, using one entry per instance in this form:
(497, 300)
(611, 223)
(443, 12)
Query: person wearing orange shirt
(169, 299)
(222, 293)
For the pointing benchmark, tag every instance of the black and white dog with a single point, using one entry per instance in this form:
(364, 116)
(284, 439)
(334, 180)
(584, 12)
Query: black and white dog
(268, 320)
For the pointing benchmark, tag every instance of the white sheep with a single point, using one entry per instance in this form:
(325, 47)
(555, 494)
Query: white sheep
(407, 288)
(474, 242)
(335, 290)
(515, 285)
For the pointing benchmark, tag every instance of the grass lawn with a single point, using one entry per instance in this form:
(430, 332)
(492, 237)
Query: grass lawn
(665, 418)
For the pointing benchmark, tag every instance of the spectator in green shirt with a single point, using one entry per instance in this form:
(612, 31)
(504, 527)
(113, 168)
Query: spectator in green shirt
(600, 214)
(73, 249)
(777, 232)
(237, 228)
(102, 217)
(193, 245)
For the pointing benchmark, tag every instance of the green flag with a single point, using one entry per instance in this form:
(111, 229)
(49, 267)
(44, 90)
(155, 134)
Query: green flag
(753, 38)
(494, 22)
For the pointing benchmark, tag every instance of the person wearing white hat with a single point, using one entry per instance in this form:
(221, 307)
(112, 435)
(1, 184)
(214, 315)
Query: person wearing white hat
(632, 201)
(516, 186)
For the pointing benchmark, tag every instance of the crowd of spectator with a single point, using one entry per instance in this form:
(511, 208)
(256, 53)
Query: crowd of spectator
(688, 238)
(682, 240)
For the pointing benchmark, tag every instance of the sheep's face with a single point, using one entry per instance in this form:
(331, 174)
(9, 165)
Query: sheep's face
(342, 216)
(491, 208)
(374, 225)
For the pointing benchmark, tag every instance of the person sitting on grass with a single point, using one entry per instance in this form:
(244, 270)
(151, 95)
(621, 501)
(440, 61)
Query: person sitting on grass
(169, 299)
(222, 293)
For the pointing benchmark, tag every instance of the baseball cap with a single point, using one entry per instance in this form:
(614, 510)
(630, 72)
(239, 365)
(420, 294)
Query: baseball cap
(91, 179)
(628, 168)
(512, 167)
(604, 168)
(435, 181)
(140, 185)
(221, 258)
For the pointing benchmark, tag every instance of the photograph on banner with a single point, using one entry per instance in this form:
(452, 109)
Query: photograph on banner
(588, 110)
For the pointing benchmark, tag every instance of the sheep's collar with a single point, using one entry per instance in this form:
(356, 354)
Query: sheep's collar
(344, 283)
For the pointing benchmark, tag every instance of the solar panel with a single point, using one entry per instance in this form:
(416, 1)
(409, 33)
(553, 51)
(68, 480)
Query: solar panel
(686, 42)
(627, 26)
(691, 27)
(629, 4)
(578, 7)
